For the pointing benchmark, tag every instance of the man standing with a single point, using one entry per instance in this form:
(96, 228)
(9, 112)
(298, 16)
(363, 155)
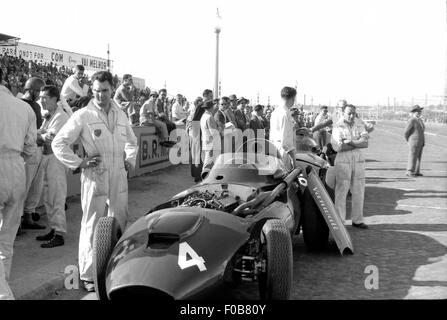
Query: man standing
(414, 134)
(239, 113)
(281, 127)
(178, 113)
(18, 142)
(210, 138)
(73, 88)
(257, 123)
(52, 169)
(349, 136)
(321, 136)
(230, 111)
(194, 132)
(106, 135)
(33, 185)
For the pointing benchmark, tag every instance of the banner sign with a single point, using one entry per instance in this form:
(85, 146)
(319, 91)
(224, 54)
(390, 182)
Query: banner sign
(56, 57)
(150, 151)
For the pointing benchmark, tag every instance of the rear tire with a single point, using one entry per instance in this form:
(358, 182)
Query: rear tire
(276, 282)
(107, 234)
(315, 229)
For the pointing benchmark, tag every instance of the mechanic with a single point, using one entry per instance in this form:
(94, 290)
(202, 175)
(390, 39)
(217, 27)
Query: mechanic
(106, 135)
(210, 138)
(18, 134)
(282, 134)
(52, 169)
(321, 136)
(33, 185)
(349, 136)
(414, 134)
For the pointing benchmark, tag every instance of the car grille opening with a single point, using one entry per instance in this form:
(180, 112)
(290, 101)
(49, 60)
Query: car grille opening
(137, 292)
(162, 240)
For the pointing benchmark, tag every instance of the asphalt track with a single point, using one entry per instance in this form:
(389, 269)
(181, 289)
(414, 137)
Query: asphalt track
(405, 246)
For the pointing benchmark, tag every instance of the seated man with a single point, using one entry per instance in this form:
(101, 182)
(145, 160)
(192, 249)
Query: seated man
(147, 117)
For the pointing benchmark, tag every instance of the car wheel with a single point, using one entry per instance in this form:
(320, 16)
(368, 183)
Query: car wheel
(315, 229)
(276, 280)
(107, 233)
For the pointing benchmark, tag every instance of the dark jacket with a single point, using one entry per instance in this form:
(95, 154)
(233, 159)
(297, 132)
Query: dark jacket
(414, 132)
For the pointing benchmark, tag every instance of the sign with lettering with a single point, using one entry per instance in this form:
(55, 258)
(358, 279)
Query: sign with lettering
(150, 151)
(39, 54)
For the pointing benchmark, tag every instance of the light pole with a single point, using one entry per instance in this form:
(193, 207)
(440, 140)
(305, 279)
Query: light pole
(217, 29)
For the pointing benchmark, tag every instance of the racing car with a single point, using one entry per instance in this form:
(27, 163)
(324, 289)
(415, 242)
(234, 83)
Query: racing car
(236, 225)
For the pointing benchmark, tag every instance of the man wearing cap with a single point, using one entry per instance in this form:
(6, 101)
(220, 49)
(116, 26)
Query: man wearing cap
(239, 114)
(414, 134)
(321, 136)
(230, 111)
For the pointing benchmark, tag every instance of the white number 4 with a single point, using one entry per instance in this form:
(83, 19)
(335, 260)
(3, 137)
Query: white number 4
(196, 260)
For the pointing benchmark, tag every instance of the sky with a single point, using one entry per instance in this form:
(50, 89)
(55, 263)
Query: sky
(365, 51)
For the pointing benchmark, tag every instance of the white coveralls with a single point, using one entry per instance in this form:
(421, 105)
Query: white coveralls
(54, 172)
(282, 134)
(17, 137)
(109, 136)
(210, 140)
(349, 170)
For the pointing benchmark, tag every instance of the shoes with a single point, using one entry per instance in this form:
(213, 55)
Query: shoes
(46, 237)
(168, 144)
(89, 286)
(56, 241)
(409, 174)
(35, 216)
(419, 175)
(360, 225)
(31, 225)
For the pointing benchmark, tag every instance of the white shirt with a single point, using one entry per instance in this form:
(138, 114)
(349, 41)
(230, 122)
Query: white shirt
(321, 118)
(281, 129)
(177, 111)
(342, 130)
(210, 131)
(71, 88)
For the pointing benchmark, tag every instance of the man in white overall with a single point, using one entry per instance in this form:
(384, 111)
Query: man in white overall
(17, 142)
(52, 169)
(348, 137)
(106, 135)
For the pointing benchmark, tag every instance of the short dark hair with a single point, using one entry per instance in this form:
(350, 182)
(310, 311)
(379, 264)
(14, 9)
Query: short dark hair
(288, 93)
(162, 90)
(52, 91)
(206, 92)
(208, 104)
(225, 99)
(103, 76)
(127, 76)
(80, 67)
(258, 107)
(349, 106)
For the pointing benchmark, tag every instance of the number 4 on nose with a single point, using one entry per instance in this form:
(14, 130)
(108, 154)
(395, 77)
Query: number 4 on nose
(196, 260)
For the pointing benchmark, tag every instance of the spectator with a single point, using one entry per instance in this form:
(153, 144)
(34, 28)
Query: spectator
(178, 112)
(18, 139)
(220, 116)
(124, 96)
(256, 122)
(240, 114)
(147, 117)
(162, 103)
(414, 134)
(104, 177)
(73, 87)
(52, 170)
(348, 138)
(281, 127)
(230, 111)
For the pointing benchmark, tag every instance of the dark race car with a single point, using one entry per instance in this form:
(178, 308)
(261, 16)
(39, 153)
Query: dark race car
(237, 224)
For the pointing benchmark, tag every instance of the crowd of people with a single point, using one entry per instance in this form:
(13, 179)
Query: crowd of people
(59, 106)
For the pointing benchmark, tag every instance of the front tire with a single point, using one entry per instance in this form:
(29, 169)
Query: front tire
(276, 282)
(107, 234)
(315, 229)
